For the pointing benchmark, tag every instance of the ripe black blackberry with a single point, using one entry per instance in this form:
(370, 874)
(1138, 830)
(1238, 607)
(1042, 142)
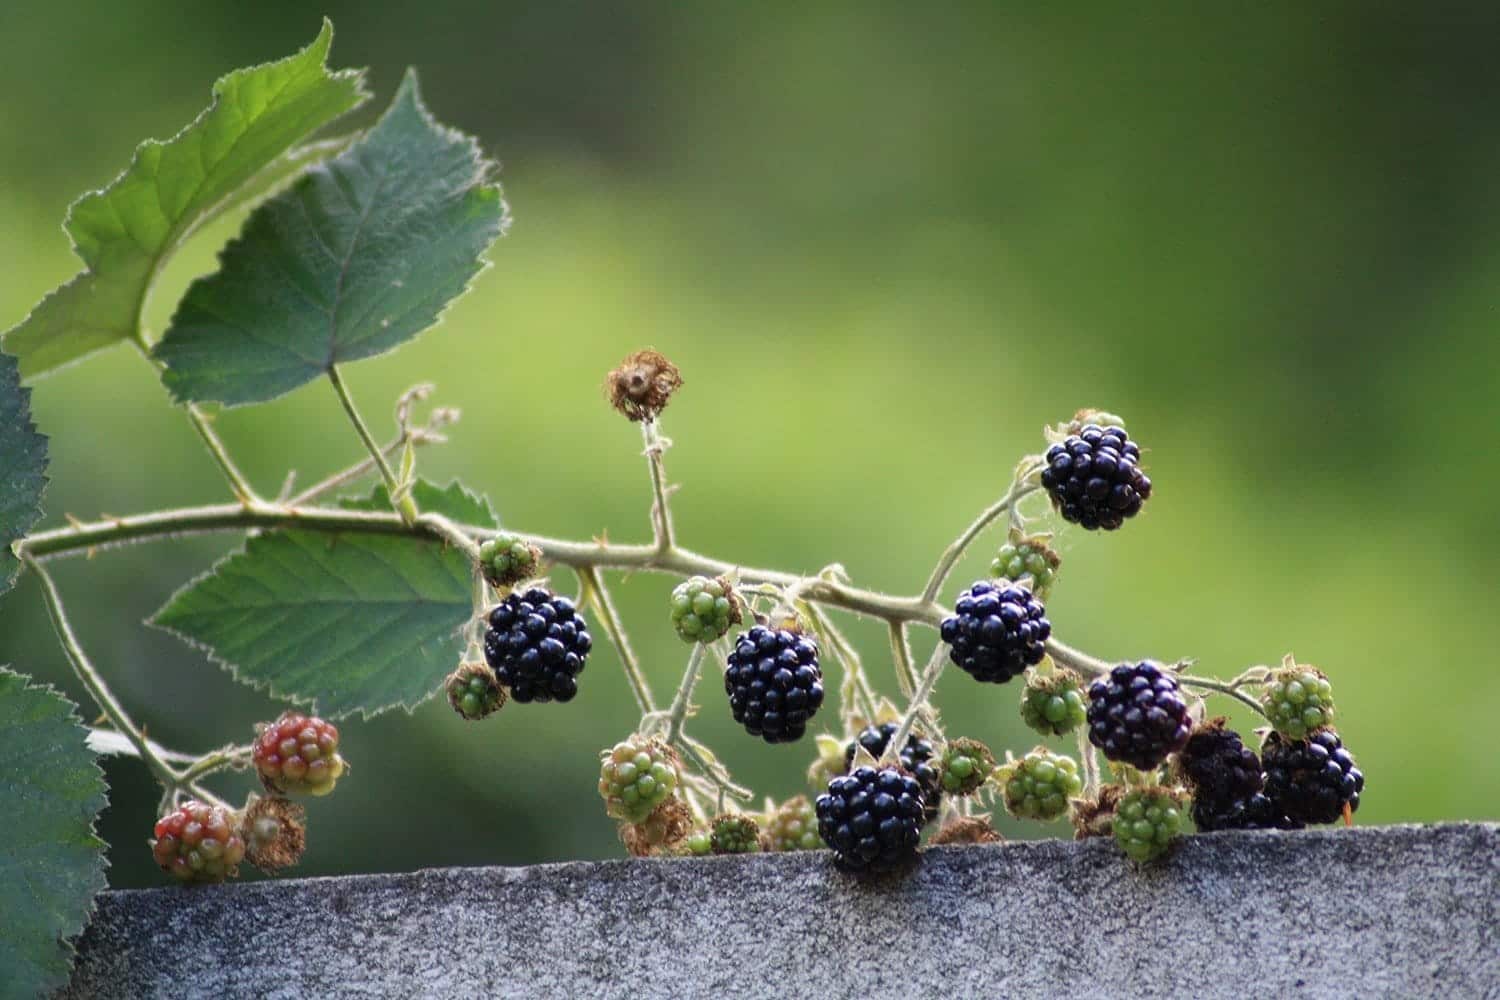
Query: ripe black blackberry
(997, 631)
(773, 682)
(1255, 811)
(1137, 715)
(1311, 780)
(918, 757)
(1217, 766)
(871, 818)
(1094, 477)
(537, 644)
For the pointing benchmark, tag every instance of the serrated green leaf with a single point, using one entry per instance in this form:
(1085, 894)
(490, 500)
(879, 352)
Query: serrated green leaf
(358, 256)
(454, 501)
(343, 623)
(51, 862)
(23, 466)
(127, 231)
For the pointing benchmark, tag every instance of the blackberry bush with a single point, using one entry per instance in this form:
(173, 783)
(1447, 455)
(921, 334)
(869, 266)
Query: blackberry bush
(1137, 715)
(1313, 780)
(1094, 477)
(1054, 704)
(996, 631)
(537, 644)
(872, 818)
(774, 684)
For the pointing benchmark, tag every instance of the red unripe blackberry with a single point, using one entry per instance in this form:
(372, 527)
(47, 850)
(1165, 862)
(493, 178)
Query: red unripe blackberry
(1311, 780)
(996, 631)
(1094, 477)
(871, 818)
(298, 754)
(198, 842)
(774, 683)
(537, 644)
(1137, 715)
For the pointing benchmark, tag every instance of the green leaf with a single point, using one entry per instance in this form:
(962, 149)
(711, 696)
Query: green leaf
(126, 232)
(23, 466)
(358, 256)
(453, 501)
(344, 623)
(51, 862)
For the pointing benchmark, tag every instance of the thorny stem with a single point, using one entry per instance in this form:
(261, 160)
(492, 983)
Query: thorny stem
(216, 760)
(919, 698)
(677, 713)
(1221, 687)
(1018, 490)
(661, 513)
(596, 594)
(403, 502)
(906, 676)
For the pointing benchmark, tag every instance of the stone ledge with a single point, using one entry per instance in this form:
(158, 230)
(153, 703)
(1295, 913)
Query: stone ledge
(1399, 911)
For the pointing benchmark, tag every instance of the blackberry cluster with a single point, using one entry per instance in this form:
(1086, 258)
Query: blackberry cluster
(917, 757)
(1094, 477)
(774, 684)
(298, 754)
(1137, 715)
(1226, 780)
(537, 644)
(1054, 705)
(198, 842)
(997, 631)
(872, 818)
(1311, 780)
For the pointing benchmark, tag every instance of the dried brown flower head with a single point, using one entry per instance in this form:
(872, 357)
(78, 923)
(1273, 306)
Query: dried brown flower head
(275, 833)
(642, 385)
(967, 830)
(663, 829)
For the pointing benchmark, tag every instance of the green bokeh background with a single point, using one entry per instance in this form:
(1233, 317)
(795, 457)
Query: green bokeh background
(886, 245)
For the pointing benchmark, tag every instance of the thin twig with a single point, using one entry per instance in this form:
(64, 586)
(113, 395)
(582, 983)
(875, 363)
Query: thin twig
(661, 513)
(403, 503)
(597, 595)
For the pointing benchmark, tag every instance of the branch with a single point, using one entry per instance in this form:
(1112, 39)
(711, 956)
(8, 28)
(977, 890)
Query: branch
(401, 501)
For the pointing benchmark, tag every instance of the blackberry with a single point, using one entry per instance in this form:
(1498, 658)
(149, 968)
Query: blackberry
(704, 609)
(1255, 811)
(1053, 704)
(507, 560)
(298, 754)
(1298, 700)
(537, 644)
(1137, 715)
(872, 818)
(734, 833)
(1311, 780)
(916, 757)
(198, 842)
(965, 766)
(635, 777)
(1146, 822)
(1039, 785)
(473, 691)
(997, 631)
(794, 826)
(1027, 559)
(773, 682)
(1218, 767)
(1094, 477)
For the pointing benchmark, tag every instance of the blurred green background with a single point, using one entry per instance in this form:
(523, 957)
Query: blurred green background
(886, 244)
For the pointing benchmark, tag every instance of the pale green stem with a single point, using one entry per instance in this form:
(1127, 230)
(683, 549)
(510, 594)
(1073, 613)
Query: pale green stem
(403, 503)
(1018, 490)
(677, 713)
(661, 513)
(919, 697)
(598, 596)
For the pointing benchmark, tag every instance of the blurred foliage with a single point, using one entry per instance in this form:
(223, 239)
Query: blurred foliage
(886, 244)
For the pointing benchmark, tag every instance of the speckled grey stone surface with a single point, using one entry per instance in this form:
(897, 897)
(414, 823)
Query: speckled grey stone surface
(1406, 911)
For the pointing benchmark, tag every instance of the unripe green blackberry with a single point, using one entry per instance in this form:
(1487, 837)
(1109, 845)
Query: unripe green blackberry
(1146, 822)
(474, 692)
(1298, 700)
(507, 560)
(965, 766)
(1054, 704)
(1039, 785)
(636, 776)
(1027, 558)
(794, 826)
(698, 844)
(734, 833)
(704, 610)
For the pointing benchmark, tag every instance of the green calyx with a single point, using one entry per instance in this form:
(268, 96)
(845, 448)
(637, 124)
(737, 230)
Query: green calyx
(703, 609)
(734, 833)
(474, 692)
(1298, 700)
(1039, 785)
(636, 776)
(507, 560)
(1146, 822)
(965, 766)
(1054, 704)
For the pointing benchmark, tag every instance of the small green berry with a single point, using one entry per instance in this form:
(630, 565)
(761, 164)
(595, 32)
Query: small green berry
(507, 560)
(1298, 700)
(636, 776)
(704, 610)
(1146, 822)
(734, 833)
(965, 766)
(794, 826)
(1054, 704)
(699, 843)
(474, 692)
(1039, 785)
(1027, 558)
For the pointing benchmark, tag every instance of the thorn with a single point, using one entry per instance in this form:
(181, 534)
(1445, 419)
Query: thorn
(602, 539)
(101, 720)
(73, 522)
(91, 552)
(1348, 815)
